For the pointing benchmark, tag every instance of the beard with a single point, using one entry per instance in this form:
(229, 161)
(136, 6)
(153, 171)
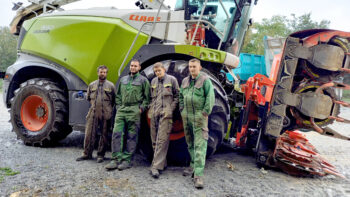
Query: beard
(101, 77)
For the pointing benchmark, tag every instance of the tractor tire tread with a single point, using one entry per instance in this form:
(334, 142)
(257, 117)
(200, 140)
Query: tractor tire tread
(60, 128)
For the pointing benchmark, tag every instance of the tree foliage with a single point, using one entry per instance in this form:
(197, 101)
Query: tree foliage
(8, 44)
(278, 26)
(305, 22)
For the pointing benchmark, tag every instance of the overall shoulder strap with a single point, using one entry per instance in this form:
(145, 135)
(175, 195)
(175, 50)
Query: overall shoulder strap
(185, 82)
(200, 81)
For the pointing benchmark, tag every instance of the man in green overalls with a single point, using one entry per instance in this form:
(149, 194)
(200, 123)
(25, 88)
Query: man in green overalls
(132, 98)
(101, 95)
(196, 102)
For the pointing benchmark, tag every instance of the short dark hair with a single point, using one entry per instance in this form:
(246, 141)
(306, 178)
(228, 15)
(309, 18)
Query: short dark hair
(135, 60)
(102, 67)
(195, 60)
(158, 65)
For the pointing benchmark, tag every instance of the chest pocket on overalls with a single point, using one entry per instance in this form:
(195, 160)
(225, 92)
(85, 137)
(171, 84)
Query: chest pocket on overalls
(168, 98)
(198, 97)
(154, 91)
(107, 96)
(167, 90)
(93, 92)
(136, 90)
(198, 92)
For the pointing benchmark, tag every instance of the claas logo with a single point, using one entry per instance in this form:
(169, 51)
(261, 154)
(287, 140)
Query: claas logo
(134, 17)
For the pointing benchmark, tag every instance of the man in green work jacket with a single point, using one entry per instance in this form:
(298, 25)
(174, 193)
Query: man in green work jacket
(196, 101)
(132, 98)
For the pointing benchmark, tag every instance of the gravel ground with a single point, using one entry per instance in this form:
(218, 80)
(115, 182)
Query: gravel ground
(54, 172)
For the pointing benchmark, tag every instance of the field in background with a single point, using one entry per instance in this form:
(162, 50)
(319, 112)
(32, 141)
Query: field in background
(346, 95)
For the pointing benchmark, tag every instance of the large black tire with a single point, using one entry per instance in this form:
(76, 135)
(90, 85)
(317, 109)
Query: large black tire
(55, 127)
(177, 152)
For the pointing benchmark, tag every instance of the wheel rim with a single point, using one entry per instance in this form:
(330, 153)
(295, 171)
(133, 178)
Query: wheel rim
(34, 113)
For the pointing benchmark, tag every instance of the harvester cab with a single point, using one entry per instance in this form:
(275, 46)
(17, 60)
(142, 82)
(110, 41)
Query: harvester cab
(220, 22)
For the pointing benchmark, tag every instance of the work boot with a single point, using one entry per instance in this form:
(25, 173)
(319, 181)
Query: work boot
(198, 182)
(84, 157)
(112, 165)
(99, 159)
(187, 171)
(155, 173)
(124, 165)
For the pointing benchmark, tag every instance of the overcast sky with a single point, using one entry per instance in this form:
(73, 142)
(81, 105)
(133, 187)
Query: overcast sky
(332, 10)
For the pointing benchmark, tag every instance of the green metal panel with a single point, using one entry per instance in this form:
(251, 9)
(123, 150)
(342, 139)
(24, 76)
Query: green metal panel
(205, 54)
(82, 43)
(28, 23)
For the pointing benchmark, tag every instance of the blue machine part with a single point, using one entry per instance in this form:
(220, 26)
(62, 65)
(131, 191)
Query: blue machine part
(249, 65)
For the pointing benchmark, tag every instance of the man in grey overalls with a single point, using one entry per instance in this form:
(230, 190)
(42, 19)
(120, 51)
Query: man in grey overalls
(165, 98)
(101, 95)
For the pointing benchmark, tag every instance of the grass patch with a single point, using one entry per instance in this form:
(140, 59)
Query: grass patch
(1, 81)
(346, 99)
(346, 95)
(7, 172)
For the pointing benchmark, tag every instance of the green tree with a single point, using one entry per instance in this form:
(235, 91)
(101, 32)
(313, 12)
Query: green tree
(277, 26)
(305, 22)
(8, 44)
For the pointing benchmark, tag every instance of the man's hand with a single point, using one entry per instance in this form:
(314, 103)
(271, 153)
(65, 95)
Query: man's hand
(205, 114)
